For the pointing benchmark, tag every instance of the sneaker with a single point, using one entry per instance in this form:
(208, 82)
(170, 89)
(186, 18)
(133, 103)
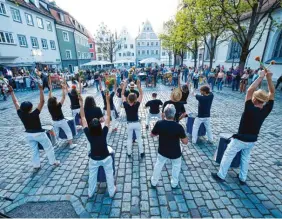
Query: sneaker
(142, 155)
(242, 183)
(209, 142)
(216, 177)
(152, 186)
(35, 169)
(111, 196)
(72, 146)
(175, 187)
(114, 130)
(147, 127)
(57, 163)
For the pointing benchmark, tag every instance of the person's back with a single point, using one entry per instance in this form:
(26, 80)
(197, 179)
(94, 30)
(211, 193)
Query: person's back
(56, 112)
(154, 105)
(205, 103)
(31, 121)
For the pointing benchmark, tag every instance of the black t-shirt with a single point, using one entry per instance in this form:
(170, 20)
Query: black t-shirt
(56, 112)
(93, 113)
(74, 101)
(131, 111)
(111, 100)
(31, 121)
(178, 107)
(119, 90)
(252, 120)
(170, 133)
(99, 147)
(131, 91)
(204, 107)
(154, 106)
(184, 97)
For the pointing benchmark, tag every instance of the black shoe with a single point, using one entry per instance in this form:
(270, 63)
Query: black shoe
(242, 183)
(153, 187)
(133, 141)
(142, 155)
(129, 155)
(216, 177)
(147, 127)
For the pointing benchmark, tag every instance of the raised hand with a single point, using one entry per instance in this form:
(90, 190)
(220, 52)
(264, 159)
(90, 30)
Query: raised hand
(262, 73)
(10, 89)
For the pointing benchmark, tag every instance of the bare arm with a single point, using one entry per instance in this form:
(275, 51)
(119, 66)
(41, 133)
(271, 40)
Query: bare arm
(50, 86)
(123, 91)
(14, 98)
(100, 85)
(140, 92)
(254, 86)
(271, 88)
(80, 87)
(82, 113)
(108, 120)
(115, 85)
(41, 103)
(63, 94)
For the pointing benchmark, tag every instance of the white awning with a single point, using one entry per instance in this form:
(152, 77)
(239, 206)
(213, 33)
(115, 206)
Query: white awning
(150, 60)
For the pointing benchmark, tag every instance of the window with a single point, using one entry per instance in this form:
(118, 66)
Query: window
(163, 53)
(138, 52)
(99, 58)
(125, 46)
(119, 54)
(22, 41)
(234, 52)
(132, 54)
(66, 36)
(52, 44)
(124, 54)
(90, 45)
(16, 15)
(29, 19)
(78, 54)
(34, 42)
(278, 47)
(143, 52)
(49, 25)
(128, 53)
(148, 52)
(44, 44)
(152, 43)
(119, 46)
(3, 9)
(148, 44)
(61, 16)
(157, 52)
(40, 22)
(92, 54)
(99, 50)
(131, 46)
(157, 43)
(152, 52)
(148, 28)
(138, 43)
(68, 54)
(143, 43)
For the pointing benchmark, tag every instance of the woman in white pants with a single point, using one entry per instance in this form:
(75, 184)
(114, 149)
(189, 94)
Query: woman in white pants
(57, 115)
(131, 108)
(73, 95)
(99, 154)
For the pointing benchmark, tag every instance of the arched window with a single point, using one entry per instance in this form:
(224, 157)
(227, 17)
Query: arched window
(234, 50)
(278, 47)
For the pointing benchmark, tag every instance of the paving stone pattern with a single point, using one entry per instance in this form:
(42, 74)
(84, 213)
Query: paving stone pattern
(198, 195)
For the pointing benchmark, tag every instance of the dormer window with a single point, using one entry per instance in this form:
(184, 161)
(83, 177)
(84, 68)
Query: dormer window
(61, 16)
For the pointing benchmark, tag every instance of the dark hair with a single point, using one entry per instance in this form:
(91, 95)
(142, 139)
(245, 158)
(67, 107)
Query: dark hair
(154, 95)
(74, 92)
(132, 97)
(52, 102)
(95, 127)
(26, 106)
(205, 89)
(185, 88)
(89, 102)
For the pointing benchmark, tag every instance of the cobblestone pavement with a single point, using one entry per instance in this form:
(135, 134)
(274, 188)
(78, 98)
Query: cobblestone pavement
(198, 194)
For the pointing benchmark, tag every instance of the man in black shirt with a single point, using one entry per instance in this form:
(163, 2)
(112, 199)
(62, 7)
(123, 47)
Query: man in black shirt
(204, 113)
(258, 106)
(34, 132)
(154, 108)
(131, 106)
(57, 115)
(170, 133)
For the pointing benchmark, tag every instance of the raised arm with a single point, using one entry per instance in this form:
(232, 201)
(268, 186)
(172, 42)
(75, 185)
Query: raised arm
(115, 84)
(14, 98)
(80, 87)
(82, 113)
(108, 120)
(123, 91)
(41, 103)
(140, 92)
(254, 86)
(63, 94)
(271, 88)
(50, 87)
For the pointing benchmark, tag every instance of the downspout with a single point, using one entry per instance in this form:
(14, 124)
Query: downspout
(75, 49)
(58, 45)
(265, 45)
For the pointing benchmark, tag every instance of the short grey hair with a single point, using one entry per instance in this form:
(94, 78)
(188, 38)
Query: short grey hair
(170, 111)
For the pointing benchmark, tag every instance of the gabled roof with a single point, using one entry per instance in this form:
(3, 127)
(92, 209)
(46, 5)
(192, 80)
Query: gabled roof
(31, 6)
(147, 28)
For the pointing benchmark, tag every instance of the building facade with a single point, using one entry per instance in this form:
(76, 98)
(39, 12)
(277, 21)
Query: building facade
(27, 36)
(72, 38)
(147, 43)
(91, 44)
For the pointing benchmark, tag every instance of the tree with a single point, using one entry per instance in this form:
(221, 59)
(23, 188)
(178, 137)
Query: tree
(247, 20)
(107, 41)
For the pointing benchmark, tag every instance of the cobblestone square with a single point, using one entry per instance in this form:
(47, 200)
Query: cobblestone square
(197, 195)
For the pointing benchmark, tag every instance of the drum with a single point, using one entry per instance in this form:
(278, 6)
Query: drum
(190, 123)
(223, 143)
(49, 130)
(71, 124)
(101, 173)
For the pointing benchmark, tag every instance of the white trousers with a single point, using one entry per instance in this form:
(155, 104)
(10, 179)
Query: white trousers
(40, 137)
(74, 112)
(119, 104)
(196, 126)
(63, 124)
(113, 117)
(136, 126)
(94, 165)
(176, 167)
(150, 116)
